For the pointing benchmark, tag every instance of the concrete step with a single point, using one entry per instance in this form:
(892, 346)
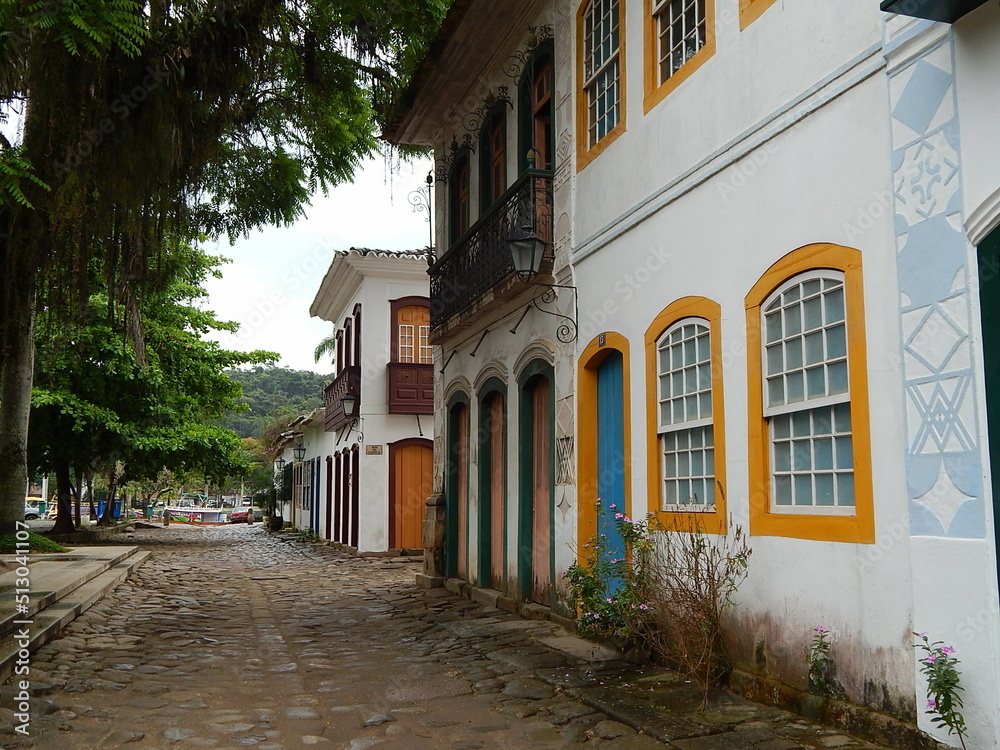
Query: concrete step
(63, 609)
(51, 576)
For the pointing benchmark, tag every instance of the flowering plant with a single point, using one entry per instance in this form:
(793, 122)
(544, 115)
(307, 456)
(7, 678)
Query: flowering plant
(940, 667)
(609, 585)
(819, 660)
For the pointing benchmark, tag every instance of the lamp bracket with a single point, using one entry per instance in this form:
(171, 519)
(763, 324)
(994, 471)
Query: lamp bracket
(569, 328)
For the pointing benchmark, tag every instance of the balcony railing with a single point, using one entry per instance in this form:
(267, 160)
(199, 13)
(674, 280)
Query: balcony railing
(349, 381)
(480, 259)
(411, 388)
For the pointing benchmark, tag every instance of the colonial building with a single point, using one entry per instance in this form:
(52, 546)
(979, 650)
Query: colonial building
(370, 472)
(780, 219)
(488, 101)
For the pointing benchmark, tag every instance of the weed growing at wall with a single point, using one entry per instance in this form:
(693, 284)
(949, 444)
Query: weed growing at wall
(944, 688)
(820, 662)
(667, 594)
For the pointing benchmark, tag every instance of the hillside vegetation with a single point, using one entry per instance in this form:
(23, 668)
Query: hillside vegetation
(274, 391)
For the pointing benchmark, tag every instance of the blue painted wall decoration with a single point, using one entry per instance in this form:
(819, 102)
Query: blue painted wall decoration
(943, 457)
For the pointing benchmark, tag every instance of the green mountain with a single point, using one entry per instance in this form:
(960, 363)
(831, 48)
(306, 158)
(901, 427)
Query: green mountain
(272, 391)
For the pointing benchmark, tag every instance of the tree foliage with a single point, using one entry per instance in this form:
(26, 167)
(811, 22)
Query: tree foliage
(98, 405)
(141, 122)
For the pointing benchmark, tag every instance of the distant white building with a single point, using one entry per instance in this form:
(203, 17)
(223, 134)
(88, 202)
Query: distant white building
(366, 470)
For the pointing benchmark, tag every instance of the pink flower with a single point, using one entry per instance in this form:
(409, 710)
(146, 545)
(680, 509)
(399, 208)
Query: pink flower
(822, 629)
(929, 660)
(931, 703)
(948, 650)
(619, 515)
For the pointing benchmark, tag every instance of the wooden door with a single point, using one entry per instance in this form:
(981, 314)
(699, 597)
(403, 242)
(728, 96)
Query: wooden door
(611, 454)
(989, 300)
(492, 490)
(462, 497)
(410, 474)
(541, 491)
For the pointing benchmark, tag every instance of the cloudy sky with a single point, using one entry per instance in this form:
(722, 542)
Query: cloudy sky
(275, 273)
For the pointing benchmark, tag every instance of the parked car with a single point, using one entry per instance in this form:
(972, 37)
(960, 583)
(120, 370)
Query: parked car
(241, 515)
(31, 514)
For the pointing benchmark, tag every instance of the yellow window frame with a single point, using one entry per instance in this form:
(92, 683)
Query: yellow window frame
(714, 522)
(585, 153)
(751, 10)
(860, 527)
(655, 91)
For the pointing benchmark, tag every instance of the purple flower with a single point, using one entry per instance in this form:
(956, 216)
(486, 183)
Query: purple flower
(931, 703)
(924, 636)
(612, 506)
(822, 629)
(929, 660)
(619, 515)
(948, 650)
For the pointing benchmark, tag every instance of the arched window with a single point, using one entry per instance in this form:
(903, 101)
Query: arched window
(810, 447)
(686, 416)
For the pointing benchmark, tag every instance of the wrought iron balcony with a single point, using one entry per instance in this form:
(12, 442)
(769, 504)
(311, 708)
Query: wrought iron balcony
(411, 388)
(480, 260)
(349, 381)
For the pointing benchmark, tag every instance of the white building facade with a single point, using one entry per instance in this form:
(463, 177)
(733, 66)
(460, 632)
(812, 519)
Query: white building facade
(367, 469)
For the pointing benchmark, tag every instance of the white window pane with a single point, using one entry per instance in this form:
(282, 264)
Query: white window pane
(793, 353)
(801, 424)
(810, 287)
(824, 490)
(845, 489)
(845, 453)
(823, 453)
(816, 382)
(803, 489)
(703, 348)
(836, 341)
(834, 301)
(781, 426)
(782, 457)
(796, 387)
(775, 362)
(793, 320)
(706, 405)
(670, 465)
(783, 490)
(801, 455)
(814, 348)
(842, 417)
(773, 326)
(812, 311)
(838, 377)
(776, 391)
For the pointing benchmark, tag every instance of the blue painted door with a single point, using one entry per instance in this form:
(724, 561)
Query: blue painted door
(611, 452)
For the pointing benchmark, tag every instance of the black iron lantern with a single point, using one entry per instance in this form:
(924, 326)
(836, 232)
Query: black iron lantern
(349, 403)
(299, 451)
(526, 250)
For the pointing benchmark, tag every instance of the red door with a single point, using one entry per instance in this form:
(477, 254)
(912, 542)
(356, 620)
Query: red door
(541, 472)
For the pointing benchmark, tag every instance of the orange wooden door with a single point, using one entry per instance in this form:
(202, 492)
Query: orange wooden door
(412, 470)
(541, 567)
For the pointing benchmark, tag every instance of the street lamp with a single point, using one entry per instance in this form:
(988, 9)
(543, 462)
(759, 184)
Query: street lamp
(299, 451)
(526, 250)
(280, 463)
(349, 403)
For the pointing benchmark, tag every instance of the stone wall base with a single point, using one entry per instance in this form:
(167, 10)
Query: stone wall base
(860, 721)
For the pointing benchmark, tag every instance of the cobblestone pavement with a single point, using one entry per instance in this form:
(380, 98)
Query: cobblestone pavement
(230, 638)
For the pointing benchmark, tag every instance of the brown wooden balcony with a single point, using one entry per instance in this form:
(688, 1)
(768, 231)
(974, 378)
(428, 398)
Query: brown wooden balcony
(480, 262)
(411, 388)
(349, 381)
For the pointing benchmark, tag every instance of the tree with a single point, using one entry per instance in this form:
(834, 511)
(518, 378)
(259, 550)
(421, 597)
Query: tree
(97, 406)
(269, 391)
(327, 347)
(145, 122)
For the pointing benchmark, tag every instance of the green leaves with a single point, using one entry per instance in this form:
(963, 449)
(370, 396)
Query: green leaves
(940, 667)
(15, 170)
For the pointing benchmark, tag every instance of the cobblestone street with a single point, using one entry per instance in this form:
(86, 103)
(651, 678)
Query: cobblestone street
(230, 638)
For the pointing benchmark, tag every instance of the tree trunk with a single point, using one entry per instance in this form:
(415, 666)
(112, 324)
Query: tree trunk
(64, 520)
(17, 357)
(109, 504)
(80, 478)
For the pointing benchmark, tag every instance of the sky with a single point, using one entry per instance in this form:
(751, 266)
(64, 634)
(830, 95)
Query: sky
(275, 273)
